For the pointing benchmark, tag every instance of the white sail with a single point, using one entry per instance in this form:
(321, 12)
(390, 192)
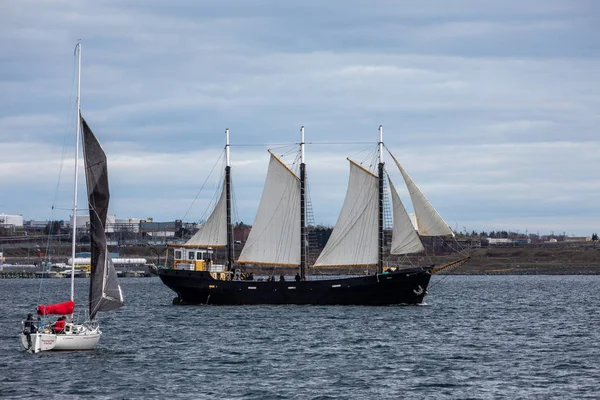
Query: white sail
(213, 233)
(275, 234)
(404, 236)
(429, 222)
(354, 238)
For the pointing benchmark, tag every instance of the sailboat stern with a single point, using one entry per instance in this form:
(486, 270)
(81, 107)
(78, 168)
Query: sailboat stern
(39, 342)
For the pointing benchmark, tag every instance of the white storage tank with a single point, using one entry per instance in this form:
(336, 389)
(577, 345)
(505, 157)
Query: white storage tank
(116, 261)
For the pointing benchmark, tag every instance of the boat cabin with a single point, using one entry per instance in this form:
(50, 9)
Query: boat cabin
(195, 259)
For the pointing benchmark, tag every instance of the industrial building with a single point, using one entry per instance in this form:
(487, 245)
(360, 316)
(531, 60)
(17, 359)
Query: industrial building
(11, 221)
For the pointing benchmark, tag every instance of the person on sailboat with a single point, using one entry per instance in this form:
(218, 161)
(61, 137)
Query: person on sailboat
(29, 328)
(59, 325)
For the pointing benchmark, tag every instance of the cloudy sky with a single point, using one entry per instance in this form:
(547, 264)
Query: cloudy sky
(493, 107)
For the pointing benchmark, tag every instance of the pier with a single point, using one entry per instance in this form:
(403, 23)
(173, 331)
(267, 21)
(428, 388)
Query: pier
(21, 274)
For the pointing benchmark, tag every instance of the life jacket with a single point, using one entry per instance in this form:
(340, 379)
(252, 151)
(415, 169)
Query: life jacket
(59, 326)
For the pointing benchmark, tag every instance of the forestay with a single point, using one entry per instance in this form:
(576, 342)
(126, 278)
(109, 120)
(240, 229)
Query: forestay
(354, 238)
(275, 235)
(105, 292)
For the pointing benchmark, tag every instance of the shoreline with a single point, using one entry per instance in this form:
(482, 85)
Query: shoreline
(567, 259)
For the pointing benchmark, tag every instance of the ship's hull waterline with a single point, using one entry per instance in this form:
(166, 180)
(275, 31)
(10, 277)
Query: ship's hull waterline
(198, 287)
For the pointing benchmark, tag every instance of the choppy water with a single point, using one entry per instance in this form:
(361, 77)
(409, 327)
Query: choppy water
(482, 337)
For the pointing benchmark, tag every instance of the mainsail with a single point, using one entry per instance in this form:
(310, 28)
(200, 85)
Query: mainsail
(404, 237)
(105, 292)
(213, 232)
(63, 308)
(354, 238)
(275, 235)
(429, 222)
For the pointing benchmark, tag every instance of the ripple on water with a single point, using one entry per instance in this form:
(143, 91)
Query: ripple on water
(478, 337)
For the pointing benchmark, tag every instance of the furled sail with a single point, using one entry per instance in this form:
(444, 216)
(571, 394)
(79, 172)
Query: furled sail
(63, 308)
(429, 222)
(105, 292)
(354, 238)
(213, 232)
(275, 234)
(404, 236)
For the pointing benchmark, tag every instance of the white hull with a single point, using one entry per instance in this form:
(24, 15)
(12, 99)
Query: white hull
(76, 337)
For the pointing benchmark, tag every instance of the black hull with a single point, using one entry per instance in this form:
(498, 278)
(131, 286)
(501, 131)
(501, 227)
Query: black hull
(198, 287)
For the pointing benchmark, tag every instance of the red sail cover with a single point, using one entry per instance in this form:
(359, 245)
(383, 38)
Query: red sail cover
(59, 308)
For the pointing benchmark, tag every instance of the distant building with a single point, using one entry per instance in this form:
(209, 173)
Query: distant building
(578, 239)
(35, 225)
(150, 226)
(240, 233)
(82, 221)
(499, 241)
(11, 221)
(163, 234)
(469, 243)
(128, 224)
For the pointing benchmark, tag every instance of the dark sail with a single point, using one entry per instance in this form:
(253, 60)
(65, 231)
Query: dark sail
(105, 292)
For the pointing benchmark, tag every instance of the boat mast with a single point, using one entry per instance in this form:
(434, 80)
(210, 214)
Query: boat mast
(230, 241)
(380, 210)
(302, 208)
(77, 133)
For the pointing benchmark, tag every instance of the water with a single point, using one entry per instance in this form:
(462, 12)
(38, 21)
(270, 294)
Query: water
(481, 337)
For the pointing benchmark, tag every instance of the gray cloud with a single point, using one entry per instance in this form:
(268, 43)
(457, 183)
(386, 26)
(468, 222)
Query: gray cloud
(491, 106)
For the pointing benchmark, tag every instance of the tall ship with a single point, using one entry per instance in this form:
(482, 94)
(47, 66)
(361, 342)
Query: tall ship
(278, 238)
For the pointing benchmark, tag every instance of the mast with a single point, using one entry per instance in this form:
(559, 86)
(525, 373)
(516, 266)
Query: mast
(302, 208)
(77, 133)
(230, 241)
(380, 204)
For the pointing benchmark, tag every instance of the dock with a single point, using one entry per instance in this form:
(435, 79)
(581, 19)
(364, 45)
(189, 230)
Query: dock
(59, 275)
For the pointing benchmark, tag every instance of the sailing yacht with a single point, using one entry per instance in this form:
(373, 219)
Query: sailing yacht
(105, 292)
(278, 238)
